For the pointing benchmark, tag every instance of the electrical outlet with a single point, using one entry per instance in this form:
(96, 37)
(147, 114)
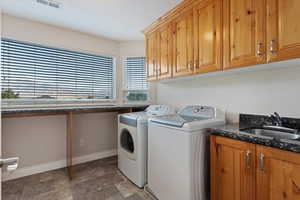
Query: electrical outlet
(51, 3)
(82, 142)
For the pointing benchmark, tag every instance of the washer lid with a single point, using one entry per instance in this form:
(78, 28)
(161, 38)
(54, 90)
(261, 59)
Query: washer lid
(151, 111)
(134, 115)
(158, 110)
(190, 116)
(176, 120)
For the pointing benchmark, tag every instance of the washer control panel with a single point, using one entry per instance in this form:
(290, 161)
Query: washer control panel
(198, 111)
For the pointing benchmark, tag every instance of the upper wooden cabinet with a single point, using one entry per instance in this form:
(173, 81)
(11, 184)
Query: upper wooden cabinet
(207, 36)
(183, 58)
(278, 174)
(283, 29)
(200, 36)
(244, 32)
(164, 51)
(152, 56)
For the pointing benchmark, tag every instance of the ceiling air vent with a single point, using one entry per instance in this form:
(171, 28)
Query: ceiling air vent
(51, 3)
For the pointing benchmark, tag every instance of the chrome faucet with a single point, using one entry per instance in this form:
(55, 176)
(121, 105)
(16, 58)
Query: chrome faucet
(276, 119)
(278, 125)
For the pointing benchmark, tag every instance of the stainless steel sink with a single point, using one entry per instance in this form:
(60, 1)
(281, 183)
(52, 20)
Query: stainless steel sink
(278, 134)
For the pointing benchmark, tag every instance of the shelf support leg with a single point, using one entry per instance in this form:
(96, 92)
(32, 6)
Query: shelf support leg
(70, 133)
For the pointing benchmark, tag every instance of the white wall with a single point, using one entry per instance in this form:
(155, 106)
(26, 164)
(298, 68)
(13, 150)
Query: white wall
(258, 90)
(132, 48)
(53, 36)
(40, 142)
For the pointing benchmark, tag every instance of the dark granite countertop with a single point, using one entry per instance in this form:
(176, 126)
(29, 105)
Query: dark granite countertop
(233, 131)
(69, 108)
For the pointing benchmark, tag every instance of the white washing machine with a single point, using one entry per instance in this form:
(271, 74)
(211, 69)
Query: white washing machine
(133, 140)
(178, 153)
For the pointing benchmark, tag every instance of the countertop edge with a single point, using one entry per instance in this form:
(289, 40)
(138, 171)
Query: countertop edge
(5, 111)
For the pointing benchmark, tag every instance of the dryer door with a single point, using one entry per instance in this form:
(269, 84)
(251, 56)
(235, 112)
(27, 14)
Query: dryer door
(126, 141)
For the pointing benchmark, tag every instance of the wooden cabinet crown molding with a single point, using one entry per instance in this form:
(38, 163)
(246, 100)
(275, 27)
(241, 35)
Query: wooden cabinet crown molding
(169, 16)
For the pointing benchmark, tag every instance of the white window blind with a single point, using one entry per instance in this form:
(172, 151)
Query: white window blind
(35, 72)
(136, 85)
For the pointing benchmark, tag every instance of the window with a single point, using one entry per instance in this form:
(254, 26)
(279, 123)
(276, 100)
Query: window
(135, 76)
(37, 74)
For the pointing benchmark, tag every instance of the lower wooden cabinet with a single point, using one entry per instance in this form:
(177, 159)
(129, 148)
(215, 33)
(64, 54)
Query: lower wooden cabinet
(244, 171)
(278, 174)
(232, 169)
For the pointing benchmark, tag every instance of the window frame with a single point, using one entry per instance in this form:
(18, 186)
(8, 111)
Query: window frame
(23, 103)
(124, 82)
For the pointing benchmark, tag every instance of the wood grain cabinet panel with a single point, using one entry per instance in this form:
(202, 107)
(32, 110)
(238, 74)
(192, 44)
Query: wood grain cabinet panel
(151, 41)
(183, 58)
(199, 36)
(244, 32)
(283, 29)
(232, 169)
(165, 52)
(278, 174)
(207, 36)
(244, 171)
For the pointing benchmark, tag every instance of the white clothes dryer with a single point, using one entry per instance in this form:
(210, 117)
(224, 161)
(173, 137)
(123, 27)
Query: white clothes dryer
(133, 142)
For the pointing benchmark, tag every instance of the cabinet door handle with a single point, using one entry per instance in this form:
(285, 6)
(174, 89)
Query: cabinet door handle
(248, 159)
(191, 65)
(197, 64)
(262, 162)
(259, 49)
(154, 68)
(272, 46)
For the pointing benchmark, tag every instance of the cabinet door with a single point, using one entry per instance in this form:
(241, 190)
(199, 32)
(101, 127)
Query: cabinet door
(183, 44)
(152, 56)
(207, 36)
(283, 29)
(244, 32)
(232, 169)
(165, 52)
(278, 174)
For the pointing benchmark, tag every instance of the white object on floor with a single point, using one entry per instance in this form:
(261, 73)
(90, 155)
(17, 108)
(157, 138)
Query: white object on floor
(132, 142)
(178, 153)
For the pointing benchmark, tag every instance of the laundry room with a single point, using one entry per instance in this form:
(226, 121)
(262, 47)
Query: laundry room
(150, 100)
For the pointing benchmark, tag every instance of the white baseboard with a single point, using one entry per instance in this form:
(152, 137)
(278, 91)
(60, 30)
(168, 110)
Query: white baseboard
(27, 171)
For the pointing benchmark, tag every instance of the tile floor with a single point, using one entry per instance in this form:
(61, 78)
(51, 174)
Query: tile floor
(96, 180)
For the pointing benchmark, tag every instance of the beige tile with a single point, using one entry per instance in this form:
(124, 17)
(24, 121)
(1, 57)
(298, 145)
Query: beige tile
(127, 189)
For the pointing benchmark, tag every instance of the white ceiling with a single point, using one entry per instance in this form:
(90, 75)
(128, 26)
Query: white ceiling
(115, 19)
